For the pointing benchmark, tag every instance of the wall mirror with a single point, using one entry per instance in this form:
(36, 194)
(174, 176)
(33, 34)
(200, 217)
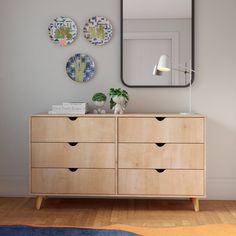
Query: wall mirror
(149, 29)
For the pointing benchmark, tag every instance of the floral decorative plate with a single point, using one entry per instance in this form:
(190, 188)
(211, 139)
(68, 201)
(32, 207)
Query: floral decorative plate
(80, 67)
(98, 30)
(62, 30)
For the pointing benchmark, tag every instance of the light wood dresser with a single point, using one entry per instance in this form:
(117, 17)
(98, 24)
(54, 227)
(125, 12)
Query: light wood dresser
(130, 155)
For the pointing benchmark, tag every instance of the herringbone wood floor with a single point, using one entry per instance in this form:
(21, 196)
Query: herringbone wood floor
(102, 212)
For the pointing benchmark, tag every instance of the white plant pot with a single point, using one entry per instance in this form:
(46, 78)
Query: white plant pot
(99, 105)
(119, 108)
(118, 99)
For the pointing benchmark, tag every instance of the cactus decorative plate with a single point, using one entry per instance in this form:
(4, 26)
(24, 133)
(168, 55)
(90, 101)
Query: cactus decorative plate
(62, 30)
(80, 67)
(98, 30)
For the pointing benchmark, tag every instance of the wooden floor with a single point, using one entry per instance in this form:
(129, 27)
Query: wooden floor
(102, 212)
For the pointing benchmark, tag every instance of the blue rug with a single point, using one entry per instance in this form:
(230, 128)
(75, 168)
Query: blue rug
(22, 230)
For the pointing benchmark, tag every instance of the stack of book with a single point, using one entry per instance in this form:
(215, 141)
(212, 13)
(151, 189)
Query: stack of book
(70, 108)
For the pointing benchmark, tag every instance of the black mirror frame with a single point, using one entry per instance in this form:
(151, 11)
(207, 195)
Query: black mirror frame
(192, 52)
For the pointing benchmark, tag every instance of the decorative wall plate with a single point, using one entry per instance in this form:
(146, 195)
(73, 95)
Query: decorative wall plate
(80, 67)
(62, 30)
(98, 30)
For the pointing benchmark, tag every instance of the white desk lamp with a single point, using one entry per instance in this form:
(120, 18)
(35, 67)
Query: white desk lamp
(164, 66)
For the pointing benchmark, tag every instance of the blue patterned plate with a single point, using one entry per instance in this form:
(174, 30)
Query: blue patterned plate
(62, 31)
(80, 67)
(98, 30)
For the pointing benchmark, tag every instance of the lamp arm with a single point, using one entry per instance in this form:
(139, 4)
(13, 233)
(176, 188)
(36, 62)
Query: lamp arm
(184, 70)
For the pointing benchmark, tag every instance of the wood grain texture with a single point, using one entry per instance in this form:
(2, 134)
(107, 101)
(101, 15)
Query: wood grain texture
(169, 156)
(170, 182)
(108, 144)
(39, 200)
(116, 165)
(85, 181)
(83, 155)
(102, 212)
(169, 130)
(62, 129)
(195, 202)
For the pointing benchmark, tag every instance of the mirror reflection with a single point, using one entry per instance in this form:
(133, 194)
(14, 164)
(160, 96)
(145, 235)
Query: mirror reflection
(152, 28)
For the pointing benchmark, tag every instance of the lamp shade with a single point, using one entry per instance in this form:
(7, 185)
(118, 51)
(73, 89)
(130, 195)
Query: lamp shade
(163, 64)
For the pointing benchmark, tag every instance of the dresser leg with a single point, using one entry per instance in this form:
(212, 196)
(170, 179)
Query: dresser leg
(195, 202)
(39, 200)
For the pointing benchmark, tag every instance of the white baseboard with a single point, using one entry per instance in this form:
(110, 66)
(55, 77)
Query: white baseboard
(217, 188)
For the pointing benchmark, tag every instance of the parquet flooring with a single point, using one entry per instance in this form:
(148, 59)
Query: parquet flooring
(102, 212)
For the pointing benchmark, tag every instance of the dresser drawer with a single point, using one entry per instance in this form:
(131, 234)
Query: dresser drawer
(172, 130)
(81, 181)
(77, 155)
(165, 156)
(63, 129)
(169, 182)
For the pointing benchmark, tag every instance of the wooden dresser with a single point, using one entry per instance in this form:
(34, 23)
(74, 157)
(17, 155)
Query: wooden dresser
(130, 155)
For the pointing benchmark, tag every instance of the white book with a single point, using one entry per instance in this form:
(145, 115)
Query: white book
(69, 108)
(74, 107)
(66, 112)
(76, 104)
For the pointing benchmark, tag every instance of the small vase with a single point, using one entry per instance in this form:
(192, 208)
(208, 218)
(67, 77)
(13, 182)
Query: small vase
(119, 108)
(99, 107)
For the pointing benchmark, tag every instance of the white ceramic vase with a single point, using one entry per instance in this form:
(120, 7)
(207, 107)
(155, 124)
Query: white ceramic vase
(99, 107)
(119, 108)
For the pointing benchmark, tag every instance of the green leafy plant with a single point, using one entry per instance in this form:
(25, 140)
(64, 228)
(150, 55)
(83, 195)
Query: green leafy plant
(99, 97)
(63, 32)
(120, 93)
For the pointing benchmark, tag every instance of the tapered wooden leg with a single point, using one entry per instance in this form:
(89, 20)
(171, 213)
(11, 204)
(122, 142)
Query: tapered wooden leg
(195, 202)
(39, 200)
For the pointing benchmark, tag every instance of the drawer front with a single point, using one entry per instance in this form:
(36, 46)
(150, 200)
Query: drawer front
(63, 129)
(82, 181)
(169, 182)
(167, 156)
(172, 130)
(73, 155)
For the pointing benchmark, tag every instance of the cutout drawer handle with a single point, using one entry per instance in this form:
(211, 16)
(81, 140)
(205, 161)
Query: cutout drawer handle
(160, 118)
(73, 143)
(73, 169)
(72, 118)
(160, 170)
(160, 144)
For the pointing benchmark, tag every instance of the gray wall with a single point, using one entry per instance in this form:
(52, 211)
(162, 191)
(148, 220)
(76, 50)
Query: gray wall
(32, 78)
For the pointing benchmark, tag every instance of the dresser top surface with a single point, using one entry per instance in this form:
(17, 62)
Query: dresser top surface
(194, 115)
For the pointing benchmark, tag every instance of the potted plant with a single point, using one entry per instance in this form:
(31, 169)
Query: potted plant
(99, 100)
(119, 100)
